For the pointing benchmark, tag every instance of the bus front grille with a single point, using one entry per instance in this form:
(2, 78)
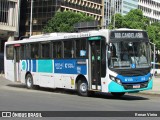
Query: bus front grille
(131, 86)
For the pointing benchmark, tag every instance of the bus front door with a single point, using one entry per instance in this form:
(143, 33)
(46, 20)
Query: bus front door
(16, 63)
(95, 64)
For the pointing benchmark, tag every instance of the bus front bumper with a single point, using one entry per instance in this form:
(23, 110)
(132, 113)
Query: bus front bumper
(115, 87)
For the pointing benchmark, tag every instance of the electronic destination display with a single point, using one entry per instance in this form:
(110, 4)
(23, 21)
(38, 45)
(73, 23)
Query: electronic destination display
(128, 34)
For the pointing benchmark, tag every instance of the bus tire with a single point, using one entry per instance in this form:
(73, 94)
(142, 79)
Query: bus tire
(29, 81)
(82, 88)
(118, 94)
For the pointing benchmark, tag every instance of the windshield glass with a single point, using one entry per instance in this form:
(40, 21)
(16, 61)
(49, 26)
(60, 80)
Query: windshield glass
(129, 55)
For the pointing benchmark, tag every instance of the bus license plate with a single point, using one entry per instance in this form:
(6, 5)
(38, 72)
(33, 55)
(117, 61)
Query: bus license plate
(136, 86)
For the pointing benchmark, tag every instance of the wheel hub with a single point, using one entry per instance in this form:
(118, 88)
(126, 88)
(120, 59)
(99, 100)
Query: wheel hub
(83, 87)
(29, 82)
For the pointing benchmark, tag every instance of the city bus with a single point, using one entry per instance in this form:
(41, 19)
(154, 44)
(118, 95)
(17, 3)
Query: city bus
(88, 62)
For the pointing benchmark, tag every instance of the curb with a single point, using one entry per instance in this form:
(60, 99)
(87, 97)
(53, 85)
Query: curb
(150, 93)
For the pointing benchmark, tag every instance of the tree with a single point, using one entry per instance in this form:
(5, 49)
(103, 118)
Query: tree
(134, 20)
(64, 21)
(118, 21)
(153, 31)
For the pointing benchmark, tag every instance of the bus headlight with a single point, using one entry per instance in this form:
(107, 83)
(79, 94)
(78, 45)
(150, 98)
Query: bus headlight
(112, 78)
(118, 81)
(115, 79)
(150, 78)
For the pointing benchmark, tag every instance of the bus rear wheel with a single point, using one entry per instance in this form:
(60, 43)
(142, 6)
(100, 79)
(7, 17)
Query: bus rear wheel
(82, 88)
(29, 81)
(118, 94)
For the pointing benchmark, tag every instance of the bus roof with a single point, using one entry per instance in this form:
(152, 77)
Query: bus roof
(58, 36)
(92, 32)
(126, 29)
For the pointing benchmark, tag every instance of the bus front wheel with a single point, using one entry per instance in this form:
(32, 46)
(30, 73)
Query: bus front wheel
(29, 81)
(118, 94)
(82, 88)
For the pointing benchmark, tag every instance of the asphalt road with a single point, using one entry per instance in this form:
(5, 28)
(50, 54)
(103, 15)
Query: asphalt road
(15, 97)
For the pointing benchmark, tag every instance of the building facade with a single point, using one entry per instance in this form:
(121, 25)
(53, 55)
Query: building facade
(151, 9)
(128, 5)
(9, 21)
(44, 10)
(112, 7)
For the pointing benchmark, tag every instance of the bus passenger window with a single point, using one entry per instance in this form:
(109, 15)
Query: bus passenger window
(68, 49)
(27, 51)
(54, 50)
(9, 52)
(34, 51)
(22, 52)
(81, 50)
(57, 50)
(45, 50)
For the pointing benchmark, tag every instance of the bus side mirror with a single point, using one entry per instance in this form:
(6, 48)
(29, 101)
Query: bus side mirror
(109, 55)
(109, 51)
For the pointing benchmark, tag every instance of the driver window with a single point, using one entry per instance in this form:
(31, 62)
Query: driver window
(142, 54)
(126, 51)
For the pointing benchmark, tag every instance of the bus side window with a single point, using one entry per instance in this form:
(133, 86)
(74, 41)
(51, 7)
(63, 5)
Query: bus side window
(57, 50)
(45, 50)
(34, 51)
(22, 52)
(54, 50)
(68, 49)
(27, 51)
(9, 52)
(81, 49)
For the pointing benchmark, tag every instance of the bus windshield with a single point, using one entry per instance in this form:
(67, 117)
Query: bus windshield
(129, 55)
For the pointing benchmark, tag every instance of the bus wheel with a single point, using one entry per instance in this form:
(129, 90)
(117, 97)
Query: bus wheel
(82, 88)
(118, 94)
(29, 81)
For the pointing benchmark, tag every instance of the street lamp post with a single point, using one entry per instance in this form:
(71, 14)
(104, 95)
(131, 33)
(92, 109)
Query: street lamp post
(114, 14)
(113, 11)
(31, 17)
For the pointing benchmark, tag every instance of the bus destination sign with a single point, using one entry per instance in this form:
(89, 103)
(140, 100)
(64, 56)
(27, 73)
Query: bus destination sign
(127, 34)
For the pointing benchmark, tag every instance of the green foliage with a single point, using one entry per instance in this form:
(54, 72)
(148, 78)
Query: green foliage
(118, 21)
(135, 20)
(64, 21)
(153, 31)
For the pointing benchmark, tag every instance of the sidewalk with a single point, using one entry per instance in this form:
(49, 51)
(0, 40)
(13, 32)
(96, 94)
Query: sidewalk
(156, 86)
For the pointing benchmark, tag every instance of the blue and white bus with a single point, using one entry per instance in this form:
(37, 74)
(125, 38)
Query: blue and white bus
(114, 61)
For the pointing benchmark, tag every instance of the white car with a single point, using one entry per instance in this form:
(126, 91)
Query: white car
(155, 71)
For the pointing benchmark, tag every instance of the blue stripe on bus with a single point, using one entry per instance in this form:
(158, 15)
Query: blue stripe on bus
(29, 65)
(134, 79)
(70, 66)
(34, 65)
